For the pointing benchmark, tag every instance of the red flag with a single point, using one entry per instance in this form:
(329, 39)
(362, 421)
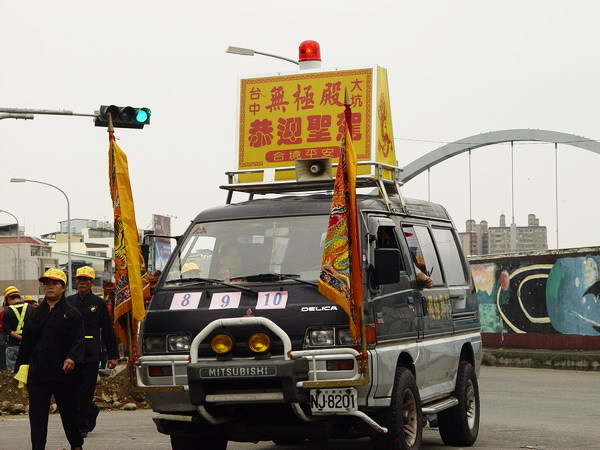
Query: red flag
(341, 274)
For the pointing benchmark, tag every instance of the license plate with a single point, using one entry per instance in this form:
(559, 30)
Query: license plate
(238, 372)
(333, 400)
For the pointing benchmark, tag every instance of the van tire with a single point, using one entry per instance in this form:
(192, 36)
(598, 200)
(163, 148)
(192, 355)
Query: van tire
(459, 425)
(403, 418)
(211, 442)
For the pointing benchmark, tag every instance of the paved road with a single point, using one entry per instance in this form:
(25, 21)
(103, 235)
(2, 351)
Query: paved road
(521, 408)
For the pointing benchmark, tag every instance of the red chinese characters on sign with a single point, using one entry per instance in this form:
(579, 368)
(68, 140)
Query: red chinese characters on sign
(277, 99)
(318, 128)
(355, 123)
(261, 133)
(304, 98)
(289, 131)
(331, 94)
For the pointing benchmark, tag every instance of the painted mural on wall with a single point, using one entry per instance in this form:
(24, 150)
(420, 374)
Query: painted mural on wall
(533, 294)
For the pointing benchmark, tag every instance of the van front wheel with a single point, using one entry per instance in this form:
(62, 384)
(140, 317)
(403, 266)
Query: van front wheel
(459, 425)
(403, 417)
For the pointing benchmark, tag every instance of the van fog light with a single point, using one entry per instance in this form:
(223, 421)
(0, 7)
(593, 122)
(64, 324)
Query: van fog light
(178, 343)
(259, 342)
(340, 364)
(221, 343)
(160, 371)
(321, 338)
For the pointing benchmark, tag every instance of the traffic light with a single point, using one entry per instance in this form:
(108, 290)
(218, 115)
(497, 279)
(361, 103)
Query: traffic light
(123, 116)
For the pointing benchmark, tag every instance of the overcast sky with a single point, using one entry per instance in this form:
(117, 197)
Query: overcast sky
(455, 69)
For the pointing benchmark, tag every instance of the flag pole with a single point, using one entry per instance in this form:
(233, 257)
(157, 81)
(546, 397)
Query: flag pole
(362, 363)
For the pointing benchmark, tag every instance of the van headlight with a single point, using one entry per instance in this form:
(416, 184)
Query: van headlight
(323, 337)
(154, 344)
(344, 337)
(179, 342)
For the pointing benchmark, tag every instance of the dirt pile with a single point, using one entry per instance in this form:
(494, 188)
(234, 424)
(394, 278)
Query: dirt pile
(112, 392)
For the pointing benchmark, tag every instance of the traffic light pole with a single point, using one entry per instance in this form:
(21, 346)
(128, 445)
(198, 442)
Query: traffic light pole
(52, 112)
(16, 116)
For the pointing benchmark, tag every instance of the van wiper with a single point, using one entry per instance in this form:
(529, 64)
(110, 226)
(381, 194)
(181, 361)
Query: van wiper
(274, 277)
(197, 280)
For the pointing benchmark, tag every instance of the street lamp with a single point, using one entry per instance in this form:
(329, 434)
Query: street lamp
(15, 257)
(23, 180)
(309, 54)
(18, 274)
(250, 52)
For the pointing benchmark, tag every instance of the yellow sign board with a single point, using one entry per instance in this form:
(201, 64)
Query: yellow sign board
(301, 115)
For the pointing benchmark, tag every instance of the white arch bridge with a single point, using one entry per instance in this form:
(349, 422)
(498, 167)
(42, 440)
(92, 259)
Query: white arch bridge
(447, 151)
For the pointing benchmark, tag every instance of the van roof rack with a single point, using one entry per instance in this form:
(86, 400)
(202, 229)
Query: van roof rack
(384, 176)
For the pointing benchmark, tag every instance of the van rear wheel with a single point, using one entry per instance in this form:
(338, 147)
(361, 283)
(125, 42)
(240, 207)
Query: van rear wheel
(459, 425)
(403, 418)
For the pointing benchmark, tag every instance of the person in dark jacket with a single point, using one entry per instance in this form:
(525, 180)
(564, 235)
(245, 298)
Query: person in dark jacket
(98, 332)
(53, 347)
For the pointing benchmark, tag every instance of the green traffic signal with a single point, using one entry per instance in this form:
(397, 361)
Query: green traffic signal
(143, 115)
(123, 116)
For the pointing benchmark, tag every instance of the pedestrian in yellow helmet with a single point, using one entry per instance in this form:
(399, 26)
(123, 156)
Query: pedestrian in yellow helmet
(53, 348)
(99, 333)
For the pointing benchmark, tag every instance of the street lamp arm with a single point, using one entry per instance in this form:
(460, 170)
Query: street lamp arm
(18, 265)
(69, 265)
(250, 52)
(277, 56)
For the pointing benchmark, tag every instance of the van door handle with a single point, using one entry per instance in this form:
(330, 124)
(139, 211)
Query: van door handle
(410, 299)
(424, 305)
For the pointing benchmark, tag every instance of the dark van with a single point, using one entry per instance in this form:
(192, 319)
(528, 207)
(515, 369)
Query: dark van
(239, 345)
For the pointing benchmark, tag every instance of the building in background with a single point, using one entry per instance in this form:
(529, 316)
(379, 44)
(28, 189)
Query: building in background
(481, 239)
(27, 256)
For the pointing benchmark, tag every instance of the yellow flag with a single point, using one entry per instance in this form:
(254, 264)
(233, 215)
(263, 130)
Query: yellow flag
(129, 263)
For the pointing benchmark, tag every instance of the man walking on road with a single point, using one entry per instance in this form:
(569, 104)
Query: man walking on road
(98, 328)
(13, 321)
(50, 355)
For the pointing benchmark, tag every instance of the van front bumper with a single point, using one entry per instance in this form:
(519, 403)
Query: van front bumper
(246, 380)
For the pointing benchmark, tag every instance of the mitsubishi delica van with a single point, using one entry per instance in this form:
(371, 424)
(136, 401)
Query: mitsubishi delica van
(238, 344)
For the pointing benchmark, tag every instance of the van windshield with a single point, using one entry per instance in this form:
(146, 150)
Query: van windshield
(240, 248)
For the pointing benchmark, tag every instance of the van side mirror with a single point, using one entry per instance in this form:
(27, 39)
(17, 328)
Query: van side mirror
(387, 266)
(145, 250)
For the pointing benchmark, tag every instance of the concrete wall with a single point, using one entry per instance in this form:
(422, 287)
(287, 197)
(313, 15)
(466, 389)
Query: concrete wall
(544, 299)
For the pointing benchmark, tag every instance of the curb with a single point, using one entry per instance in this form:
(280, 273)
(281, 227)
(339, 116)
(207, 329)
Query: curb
(542, 359)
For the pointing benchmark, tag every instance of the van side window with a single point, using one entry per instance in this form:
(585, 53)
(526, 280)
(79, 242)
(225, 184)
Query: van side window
(423, 252)
(386, 238)
(450, 256)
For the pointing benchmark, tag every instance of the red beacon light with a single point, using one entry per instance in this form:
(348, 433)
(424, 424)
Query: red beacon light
(309, 55)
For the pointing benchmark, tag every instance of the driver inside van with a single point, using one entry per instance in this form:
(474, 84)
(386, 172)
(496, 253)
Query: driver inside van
(190, 270)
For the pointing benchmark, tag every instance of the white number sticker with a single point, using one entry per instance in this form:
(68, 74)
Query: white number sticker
(272, 300)
(189, 300)
(225, 300)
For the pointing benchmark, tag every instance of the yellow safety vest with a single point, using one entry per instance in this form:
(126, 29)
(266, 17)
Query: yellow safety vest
(20, 316)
